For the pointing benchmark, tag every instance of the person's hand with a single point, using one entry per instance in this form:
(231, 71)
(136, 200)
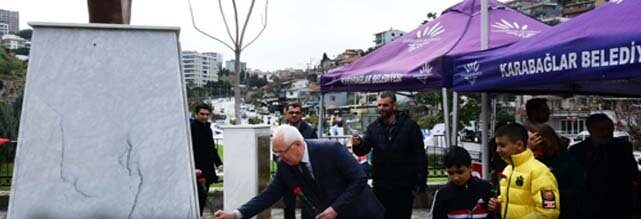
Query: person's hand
(199, 172)
(329, 213)
(224, 215)
(534, 139)
(493, 205)
(356, 140)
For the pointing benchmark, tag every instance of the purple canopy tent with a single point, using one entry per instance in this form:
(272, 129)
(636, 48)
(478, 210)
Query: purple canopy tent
(596, 53)
(416, 61)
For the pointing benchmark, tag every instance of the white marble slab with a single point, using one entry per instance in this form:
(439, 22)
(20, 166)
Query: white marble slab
(104, 132)
(247, 160)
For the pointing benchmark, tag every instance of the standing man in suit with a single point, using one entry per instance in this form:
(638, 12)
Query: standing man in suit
(330, 181)
(294, 115)
(610, 170)
(399, 166)
(205, 153)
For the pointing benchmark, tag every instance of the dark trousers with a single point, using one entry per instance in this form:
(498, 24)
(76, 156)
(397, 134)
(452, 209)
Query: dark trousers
(397, 202)
(289, 202)
(203, 189)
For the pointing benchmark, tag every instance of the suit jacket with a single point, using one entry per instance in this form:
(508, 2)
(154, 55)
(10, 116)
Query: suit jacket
(306, 130)
(338, 182)
(205, 153)
(608, 178)
(289, 200)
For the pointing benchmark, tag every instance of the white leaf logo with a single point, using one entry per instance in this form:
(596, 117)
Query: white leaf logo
(424, 37)
(513, 29)
(424, 73)
(472, 70)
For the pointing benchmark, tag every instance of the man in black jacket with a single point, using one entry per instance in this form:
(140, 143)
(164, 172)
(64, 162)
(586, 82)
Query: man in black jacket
(294, 115)
(205, 153)
(398, 157)
(610, 170)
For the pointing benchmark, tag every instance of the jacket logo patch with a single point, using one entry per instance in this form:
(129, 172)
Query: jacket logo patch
(548, 199)
(519, 181)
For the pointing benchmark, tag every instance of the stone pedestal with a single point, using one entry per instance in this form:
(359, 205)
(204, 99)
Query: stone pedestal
(247, 161)
(104, 130)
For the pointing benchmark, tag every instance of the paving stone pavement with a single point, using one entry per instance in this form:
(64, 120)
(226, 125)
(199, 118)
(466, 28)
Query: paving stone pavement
(277, 213)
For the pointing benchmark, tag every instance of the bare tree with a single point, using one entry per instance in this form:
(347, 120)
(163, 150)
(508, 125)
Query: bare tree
(629, 115)
(237, 43)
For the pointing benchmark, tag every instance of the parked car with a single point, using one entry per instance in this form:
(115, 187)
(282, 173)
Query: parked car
(585, 134)
(468, 135)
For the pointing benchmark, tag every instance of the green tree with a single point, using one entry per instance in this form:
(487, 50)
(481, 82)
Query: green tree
(430, 16)
(25, 34)
(10, 118)
(21, 51)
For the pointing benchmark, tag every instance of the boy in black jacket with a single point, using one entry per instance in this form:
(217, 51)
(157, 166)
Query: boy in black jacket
(463, 196)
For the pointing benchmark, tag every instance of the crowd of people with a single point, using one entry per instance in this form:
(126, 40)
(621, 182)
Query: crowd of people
(536, 174)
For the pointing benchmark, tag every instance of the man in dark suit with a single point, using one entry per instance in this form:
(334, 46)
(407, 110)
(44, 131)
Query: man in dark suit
(331, 182)
(610, 170)
(294, 115)
(205, 154)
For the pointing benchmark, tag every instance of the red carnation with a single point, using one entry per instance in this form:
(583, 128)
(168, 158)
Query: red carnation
(298, 191)
(538, 153)
(202, 180)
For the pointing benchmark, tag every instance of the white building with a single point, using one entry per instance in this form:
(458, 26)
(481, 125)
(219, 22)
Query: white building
(14, 42)
(10, 18)
(4, 29)
(299, 89)
(199, 69)
(231, 66)
(387, 36)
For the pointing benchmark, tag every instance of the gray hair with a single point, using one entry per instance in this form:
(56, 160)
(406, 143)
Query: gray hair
(289, 134)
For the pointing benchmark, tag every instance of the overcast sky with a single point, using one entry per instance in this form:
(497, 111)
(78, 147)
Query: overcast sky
(298, 31)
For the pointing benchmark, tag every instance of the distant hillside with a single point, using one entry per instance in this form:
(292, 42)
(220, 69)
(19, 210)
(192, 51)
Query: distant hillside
(12, 76)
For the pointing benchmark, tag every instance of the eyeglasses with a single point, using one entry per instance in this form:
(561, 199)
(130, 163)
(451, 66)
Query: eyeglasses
(279, 153)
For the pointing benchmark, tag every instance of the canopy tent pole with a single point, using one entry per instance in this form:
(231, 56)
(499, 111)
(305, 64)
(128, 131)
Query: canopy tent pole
(455, 109)
(484, 101)
(485, 151)
(493, 115)
(446, 117)
(321, 115)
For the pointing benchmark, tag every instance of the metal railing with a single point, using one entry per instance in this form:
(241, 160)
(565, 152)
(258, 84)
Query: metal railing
(435, 157)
